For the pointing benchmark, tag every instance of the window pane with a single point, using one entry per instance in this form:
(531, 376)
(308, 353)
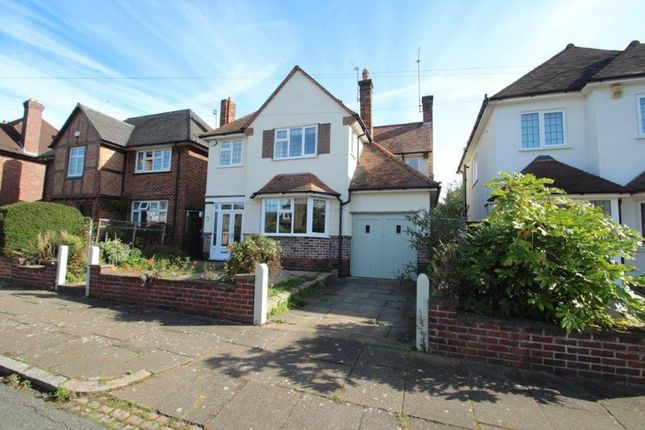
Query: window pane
(300, 216)
(295, 142)
(166, 159)
(530, 130)
(553, 129)
(642, 104)
(318, 225)
(237, 153)
(281, 134)
(139, 160)
(310, 140)
(237, 227)
(163, 204)
(270, 222)
(224, 158)
(225, 229)
(281, 149)
(413, 162)
(285, 222)
(605, 205)
(285, 204)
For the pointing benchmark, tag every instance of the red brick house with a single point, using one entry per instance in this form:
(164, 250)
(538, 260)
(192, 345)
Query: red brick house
(145, 169)
(23, 142)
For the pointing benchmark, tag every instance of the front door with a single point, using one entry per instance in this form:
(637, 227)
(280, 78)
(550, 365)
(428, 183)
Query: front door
(227, 228)
(192, 233)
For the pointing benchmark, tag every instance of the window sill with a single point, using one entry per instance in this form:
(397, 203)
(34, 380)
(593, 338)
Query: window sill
(150, 172)
(294, 158)
(229, 166)
(74, 176)
(545, 148)
(318, 235)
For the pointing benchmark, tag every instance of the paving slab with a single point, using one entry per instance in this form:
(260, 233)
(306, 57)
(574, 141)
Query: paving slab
(319, 413)
(563, 418)
(257, 406)
(374, 386)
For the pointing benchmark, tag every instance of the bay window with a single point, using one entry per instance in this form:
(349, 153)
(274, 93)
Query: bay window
(157, 160)
(295, 216)
(150, 211)
(296, 142)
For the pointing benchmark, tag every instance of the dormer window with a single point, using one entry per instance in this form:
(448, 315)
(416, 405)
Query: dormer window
(296, 142)
(157, 160)
(414, 163)
(542, 129)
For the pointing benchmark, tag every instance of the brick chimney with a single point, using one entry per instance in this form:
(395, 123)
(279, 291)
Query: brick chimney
(426, 102)
(227, 112)
(31, 123)
(365, 89)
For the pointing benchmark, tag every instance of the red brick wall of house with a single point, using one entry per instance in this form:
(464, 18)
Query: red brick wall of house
(20, 180)
(616, 355)
(202, 297)
(189, 187)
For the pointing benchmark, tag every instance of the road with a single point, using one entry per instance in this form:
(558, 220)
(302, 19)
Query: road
(19, 411)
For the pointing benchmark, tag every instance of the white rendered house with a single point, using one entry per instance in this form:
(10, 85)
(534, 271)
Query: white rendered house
(316, 176)
(579, 119)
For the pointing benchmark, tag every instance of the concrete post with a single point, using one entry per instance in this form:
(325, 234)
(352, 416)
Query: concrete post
(92, 260)
(423, 297)
(260, 306)
(61, 266)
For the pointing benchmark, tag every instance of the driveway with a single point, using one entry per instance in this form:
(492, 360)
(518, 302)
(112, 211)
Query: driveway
(339, 362)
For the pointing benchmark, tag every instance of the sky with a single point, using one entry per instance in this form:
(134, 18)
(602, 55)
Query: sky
(130, 58)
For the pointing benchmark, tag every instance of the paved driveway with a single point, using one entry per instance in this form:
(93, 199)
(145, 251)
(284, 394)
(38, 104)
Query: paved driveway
(337, 363)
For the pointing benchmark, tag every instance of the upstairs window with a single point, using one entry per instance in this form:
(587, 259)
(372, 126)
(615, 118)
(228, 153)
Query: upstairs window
(542, 129)
(76, 162)
(641, 115)
(295, 216)
(231, 154)
(474, 171)
(414, 163)
(157, 160)
(296, 142)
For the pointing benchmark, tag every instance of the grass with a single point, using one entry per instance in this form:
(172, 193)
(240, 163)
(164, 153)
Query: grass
(297, 299)
(403, 420)
(62, 395)
(336, 396)
(287, 284)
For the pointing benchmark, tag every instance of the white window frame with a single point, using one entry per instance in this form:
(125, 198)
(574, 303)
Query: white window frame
(155, 154)
(310, 218)
(288, 140)
(147, 204)
(227, 147)
(639, 119)
(542, 130)
(76, 162)
(355, 141)
(474, 171)
(416, 160)
(641, 212)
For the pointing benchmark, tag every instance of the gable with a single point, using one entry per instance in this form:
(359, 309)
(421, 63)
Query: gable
(77, 121)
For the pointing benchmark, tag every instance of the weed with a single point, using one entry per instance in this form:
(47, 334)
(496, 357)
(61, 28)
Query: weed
(403, 420)
(336, 396)
(13, 380)
(62, 394)
(279, 321)
(25, 383)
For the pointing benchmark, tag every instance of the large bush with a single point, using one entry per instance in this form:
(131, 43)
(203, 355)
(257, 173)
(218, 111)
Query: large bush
(21, 223)
(254, 249)
(541, 255)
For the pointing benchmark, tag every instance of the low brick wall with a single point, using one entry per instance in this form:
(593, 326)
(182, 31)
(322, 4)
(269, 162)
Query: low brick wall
(314, 253)
(616, 355)
(36, 276)
(203, 297)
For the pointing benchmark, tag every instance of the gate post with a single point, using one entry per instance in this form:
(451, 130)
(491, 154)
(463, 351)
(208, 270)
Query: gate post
(92, 260)
(423, 297)
(61, 266)
(260, 298)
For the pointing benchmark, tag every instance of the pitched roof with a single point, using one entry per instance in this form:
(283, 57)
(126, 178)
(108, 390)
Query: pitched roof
(379, 169)
(109, 129)
(629, 63)
(637, 184)
(167, 127)
(295, 183)
(405, 138)
(570, 179)
(568, 70)
(246, 120)
(10, 137)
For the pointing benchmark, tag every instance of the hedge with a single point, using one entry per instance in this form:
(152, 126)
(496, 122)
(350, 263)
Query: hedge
(20, 223)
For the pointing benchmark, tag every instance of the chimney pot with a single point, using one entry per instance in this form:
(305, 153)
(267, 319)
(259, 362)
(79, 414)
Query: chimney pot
(227, 111)
(365, 89)
(426, 103)
(31, 126)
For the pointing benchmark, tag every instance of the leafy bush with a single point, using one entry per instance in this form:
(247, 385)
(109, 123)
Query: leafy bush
(46, 250)
(20, 224)
(250, 252)
(115, 252)
(541, 255)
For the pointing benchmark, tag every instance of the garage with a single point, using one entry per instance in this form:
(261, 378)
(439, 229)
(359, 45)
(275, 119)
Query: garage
(381, 246)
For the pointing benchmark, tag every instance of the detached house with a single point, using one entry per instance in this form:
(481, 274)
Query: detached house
(579, 119)
(23, 143)
(145, 169)
(319, 178)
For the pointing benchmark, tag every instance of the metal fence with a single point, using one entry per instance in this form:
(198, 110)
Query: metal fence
(133, 233)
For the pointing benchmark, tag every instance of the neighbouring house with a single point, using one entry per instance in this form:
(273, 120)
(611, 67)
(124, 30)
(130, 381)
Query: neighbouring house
(23, 142)
(309, 172)
(579, 119)
(147, 169)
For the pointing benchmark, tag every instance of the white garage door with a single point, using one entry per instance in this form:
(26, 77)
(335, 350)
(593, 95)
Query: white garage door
(380, 246)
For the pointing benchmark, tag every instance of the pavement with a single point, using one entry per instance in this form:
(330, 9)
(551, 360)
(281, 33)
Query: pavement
(19, 411)
(342, 361)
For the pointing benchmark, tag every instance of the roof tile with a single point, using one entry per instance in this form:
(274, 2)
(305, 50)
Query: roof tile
(295, 183)
(408, 138)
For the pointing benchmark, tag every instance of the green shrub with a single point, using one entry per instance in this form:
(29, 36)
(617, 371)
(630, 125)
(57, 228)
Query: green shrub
(541, 255)
(46, 250)
(20, 224)
(247, 254)
(115, 252)
(163, 252)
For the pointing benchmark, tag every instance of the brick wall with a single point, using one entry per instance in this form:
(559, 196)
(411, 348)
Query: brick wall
(28, 276)
(20, 180)
(314, 253)
(616, 355)
(202, 297)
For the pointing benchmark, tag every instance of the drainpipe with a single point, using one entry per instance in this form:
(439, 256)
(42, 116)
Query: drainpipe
(340, 230)
(463, 181)
(174, 217)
